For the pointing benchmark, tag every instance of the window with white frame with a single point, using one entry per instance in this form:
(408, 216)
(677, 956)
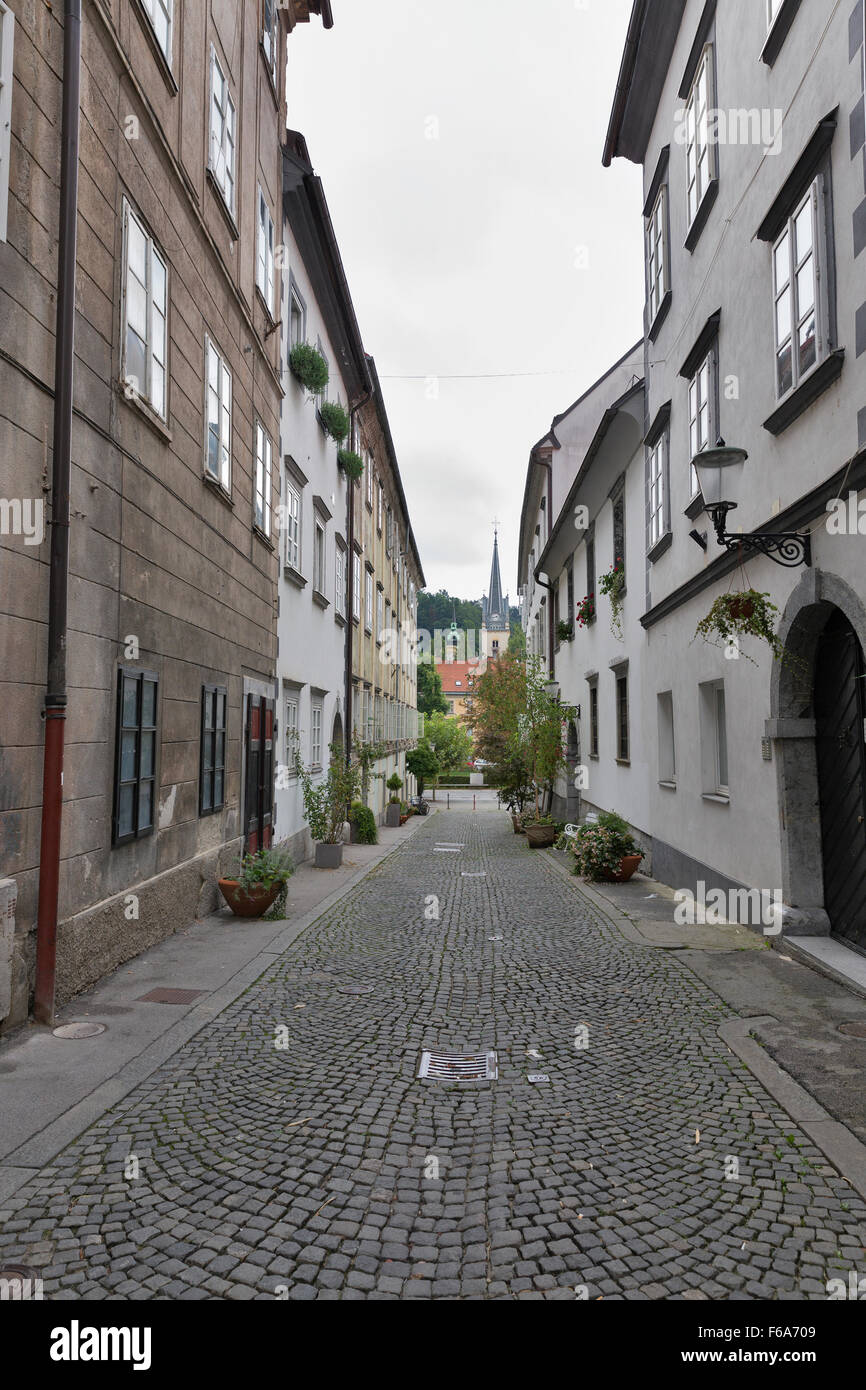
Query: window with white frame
(380, 614)
(291, 742)
(292, 523)
(700, 150)
(316, 734)
(145, 309)
(796, 284)
(657, 258)
(265, 253)
(262, 503)
(222, 132)
(319, 558)
(218, 458)
(323, 395)
(356, 587)
(368, 607)
(657, 487)
(667, 744)
(721, 739)
(160, 14)
(340, 581)
(271, 35)
(380, 507)
(714, 739)
(702, 410)
(369, 472)
(297, 317)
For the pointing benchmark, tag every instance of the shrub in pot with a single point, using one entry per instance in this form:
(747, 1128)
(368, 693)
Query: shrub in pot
(363, 824)
(606, 850)
(261, 882)
(744, 613)
(325, 804)
(540, 830)
(335, 419)
(310, 368)
(351, 463)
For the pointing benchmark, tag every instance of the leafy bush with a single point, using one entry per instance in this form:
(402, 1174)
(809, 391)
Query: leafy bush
(600, 848)
(351, 463)
(394, 783)
(335, 419)
(310, 367)
(564, 632)
(266, 869)
(365, 824)
(745, 613)
(325, 802)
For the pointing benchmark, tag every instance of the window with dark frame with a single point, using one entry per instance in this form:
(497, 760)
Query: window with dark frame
(593, 720)
(590, 571)
(134, 755)
(212, 777)
(570, 592)
(622, 739)
(619, 531)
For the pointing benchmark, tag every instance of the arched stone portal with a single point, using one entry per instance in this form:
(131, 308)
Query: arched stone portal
(337, 731)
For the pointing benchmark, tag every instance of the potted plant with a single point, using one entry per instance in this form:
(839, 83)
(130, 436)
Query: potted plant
(351, 463)
(392, 814)
(744, 613)
(262, 878)
(335, 420)
(362, 825)
(540, 830)
(325, 804)
(613, 585)
(564, 632)
(423, 764)
(606, 849)
(586, 611)
(310, 368)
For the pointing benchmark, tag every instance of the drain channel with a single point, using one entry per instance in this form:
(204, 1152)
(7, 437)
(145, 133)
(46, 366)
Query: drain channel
(456, 1066)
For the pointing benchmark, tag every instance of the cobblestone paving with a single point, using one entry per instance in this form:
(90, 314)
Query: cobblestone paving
(308, 1172)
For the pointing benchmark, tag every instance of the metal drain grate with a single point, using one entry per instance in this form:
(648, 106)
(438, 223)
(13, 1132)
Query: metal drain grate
(79, 1030)
(456, 1066)
(170, 996)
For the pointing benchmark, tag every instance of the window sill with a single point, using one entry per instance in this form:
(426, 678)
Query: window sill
(623, 762)
(294, 576)
(261, 536)
(162, 61)
(810, 388)
(695, 507)
(657, 550)
(340, 618)
(223, 205)
(272, 323)
(368, 631)
(702, 215)
(594, 757)
(319, 598)
(661, 314)
(668, 786)
(217, 488)
(148, 414)
(717, 797)
(779, 31)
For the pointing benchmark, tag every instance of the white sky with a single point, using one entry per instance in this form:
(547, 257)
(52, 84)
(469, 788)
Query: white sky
(461, 251)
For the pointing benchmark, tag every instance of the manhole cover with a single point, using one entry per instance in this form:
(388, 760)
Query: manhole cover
(355, 989)
(853, 1030)
(78, 1030)
(170, 996)
(456, 1066)
(20, 1283)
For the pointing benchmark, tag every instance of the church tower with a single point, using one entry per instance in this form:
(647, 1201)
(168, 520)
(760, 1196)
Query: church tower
(495, 627)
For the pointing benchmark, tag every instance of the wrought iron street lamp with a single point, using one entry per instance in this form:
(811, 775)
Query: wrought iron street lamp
(715, 469)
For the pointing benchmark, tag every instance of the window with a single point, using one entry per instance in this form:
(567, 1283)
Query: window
(134, 755)
(570, 593)
(319, 559)
(222, 133)
(218, 460)
(316, 734)
(657, 259)
(380, 614)
(381, 507)
(700, 151)
(667, 747)
(262, 504)
(773, 8)
(702, 411)
(796, 287)
(619, 531)
(714, 739)
(340, 582)
(622, 739)
(7, 41)
(293, 526)
(721, 731)
(297, 317)
(265, 254)
(657, 487)
(212, 777)
(368, 608)
(356, 587)
(389, 531)
(145, 307)
(590, 568)
(291, 726)
(159, 12)
(270, 36)
(593, 720)
(324, 395)
(369, 472)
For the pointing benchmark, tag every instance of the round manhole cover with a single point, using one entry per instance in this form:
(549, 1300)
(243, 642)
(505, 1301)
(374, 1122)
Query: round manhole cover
(79, 1030)
(11, 1272)
(853, 1030)
(355, 989)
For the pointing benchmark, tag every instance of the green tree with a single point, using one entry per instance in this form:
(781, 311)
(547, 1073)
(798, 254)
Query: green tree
(423, 764)
(517, 641)
(450, 742)
(430, 697)
(441, 609)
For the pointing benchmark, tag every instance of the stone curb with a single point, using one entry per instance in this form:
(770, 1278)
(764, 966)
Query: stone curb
(22, 1163)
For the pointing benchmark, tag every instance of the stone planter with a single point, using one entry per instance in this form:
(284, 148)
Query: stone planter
(248, 902)
(392, 814)
(328, 856)
(540, 836)
(627, 868)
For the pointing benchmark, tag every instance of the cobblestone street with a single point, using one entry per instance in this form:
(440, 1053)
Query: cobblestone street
(648, 1164)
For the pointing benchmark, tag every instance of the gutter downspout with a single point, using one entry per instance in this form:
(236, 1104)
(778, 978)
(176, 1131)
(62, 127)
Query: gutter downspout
(55, 694)
(350, 587)
(548, 466)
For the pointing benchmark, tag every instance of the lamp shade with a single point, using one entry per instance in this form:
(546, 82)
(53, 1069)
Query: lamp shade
(716, 477)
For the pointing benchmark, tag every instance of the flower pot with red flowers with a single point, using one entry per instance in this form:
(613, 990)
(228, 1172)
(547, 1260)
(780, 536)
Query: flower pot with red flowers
(585, 611)
(606, 850)
(612, 585)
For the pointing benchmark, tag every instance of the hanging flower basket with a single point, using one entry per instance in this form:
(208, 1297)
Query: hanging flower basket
(352, 464)
(335, 419)
(586, 611)
(613, 585)
(564, 632)
(310, 368)
(746, 613)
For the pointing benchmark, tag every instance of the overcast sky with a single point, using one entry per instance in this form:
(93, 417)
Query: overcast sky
(460, 150)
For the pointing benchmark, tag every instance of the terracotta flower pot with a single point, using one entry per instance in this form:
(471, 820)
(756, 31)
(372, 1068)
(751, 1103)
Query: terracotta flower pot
(248, 902)
(741, 609)
(628, 866)
(540, 836)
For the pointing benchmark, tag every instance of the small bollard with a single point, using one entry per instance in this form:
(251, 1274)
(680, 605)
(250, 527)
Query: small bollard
(448, 807)
(473, 801)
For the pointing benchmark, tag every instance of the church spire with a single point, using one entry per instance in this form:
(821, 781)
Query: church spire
(494, 597)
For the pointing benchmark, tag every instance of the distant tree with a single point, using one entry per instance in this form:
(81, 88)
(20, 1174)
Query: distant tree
(450, 742)
(430, 697)
(517, 641)
(441, 609)
(423, 764)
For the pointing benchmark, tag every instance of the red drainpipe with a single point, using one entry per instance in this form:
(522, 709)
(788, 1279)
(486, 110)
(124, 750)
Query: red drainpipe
(55, 693)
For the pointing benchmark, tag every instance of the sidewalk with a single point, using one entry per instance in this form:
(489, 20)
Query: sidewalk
(52, 1088)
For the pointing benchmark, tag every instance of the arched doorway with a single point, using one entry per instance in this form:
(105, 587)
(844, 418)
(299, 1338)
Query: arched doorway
(840, 742)
(337, 730)
(572, 763)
